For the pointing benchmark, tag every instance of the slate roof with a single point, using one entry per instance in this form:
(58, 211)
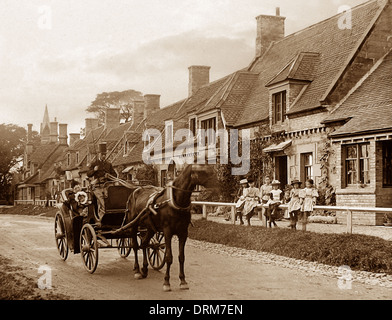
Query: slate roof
(369, 107)
(335, 47)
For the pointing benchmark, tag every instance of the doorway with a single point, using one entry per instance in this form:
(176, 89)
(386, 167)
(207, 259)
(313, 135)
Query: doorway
(281, 171)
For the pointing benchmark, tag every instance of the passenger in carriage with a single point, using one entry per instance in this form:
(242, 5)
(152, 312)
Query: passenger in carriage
(99, 170)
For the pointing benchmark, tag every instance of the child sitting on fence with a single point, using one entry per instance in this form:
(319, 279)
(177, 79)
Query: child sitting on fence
(276, 199)
(265, 192)
(308, 200)
(240, 200)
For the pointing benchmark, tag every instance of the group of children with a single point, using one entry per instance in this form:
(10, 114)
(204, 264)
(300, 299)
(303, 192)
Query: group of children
(300, 201)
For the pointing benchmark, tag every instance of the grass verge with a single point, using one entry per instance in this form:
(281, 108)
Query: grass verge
(30, 210)
(360, 252)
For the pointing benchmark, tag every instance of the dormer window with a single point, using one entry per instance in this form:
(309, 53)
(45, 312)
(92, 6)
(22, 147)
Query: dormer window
(279, 103)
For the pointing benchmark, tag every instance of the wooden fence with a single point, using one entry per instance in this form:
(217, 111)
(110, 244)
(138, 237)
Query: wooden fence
(348, 210)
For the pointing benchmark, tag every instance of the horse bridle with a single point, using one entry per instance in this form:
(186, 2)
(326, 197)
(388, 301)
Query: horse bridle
(171, 202)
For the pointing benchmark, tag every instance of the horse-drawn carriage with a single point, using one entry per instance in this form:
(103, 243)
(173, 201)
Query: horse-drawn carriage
(80, 232)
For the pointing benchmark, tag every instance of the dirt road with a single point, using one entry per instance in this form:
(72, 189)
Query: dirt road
(29, 242)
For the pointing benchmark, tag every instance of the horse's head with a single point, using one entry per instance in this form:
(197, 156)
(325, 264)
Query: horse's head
(204, 175)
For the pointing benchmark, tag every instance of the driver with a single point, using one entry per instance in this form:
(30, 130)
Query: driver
(98, 169)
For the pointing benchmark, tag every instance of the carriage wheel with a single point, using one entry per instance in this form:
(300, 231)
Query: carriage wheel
(61, 236)
(89, 248)
(124, 247)
(156, 251)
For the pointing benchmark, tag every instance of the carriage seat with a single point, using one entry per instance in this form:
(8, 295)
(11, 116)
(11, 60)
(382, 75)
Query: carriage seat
(115, 204)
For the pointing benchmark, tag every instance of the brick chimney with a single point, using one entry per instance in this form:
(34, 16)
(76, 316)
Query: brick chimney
(63, 134)
(73, 137)
(29, 144)
(269, 29)
(198, 76)
(138, 111)
(151, 104)
(112, 118)
(90, 125)
(53, 137)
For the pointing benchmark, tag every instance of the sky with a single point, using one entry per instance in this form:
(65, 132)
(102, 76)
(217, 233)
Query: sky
(63, 53)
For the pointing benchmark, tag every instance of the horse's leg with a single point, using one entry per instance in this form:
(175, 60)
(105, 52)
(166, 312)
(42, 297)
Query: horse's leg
(181, 259)
(136, 268)
(144, 245)
(168, 260)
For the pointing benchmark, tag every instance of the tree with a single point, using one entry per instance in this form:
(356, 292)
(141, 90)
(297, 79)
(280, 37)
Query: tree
(12, 142)
(124, 100)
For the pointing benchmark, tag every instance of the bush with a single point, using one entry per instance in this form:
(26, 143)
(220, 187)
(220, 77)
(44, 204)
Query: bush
(360, 252)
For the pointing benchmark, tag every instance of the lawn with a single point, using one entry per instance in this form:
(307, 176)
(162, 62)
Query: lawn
(360, 252)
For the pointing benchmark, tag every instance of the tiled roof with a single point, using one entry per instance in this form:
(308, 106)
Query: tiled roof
(335, 47)
(370, 106)
(42, 152)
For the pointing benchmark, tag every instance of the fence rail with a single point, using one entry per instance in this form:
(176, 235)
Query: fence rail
(51, 203)
(348, 210)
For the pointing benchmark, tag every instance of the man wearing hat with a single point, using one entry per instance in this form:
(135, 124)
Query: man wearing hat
(98, 169)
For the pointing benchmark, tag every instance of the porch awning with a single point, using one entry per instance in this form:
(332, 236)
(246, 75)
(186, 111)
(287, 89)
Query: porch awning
(127, 169)
(278, 147)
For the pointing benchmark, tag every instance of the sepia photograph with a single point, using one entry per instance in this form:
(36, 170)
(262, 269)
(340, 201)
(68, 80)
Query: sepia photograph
(195, 158)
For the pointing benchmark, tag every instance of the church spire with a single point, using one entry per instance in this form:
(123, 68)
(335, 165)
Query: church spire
(45, 127)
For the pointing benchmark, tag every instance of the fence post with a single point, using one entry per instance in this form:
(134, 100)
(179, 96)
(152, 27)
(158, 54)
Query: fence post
(304, 221)
(204, 212)
(349, 221)
(233, 213)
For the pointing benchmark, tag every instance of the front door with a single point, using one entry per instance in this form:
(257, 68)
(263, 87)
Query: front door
(281, 171)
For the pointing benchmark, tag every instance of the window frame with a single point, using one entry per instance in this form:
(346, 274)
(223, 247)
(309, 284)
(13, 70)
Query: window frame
(206, 124)
(358, 160)
(387, 167)
(305, 166)
(279, 107)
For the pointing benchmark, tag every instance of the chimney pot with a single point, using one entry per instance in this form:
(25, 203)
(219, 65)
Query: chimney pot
(198, 76)
(73, 137)
(63, 137)
(112, 118)
(54, 132)
(151, 104)
(90, 125)
(269, 29)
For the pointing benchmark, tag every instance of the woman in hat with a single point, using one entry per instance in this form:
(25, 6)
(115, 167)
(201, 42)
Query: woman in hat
(276, 199)
(240, 200)
(295, 203)
(252, 199)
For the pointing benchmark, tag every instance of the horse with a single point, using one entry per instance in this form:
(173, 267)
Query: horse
(170, 214)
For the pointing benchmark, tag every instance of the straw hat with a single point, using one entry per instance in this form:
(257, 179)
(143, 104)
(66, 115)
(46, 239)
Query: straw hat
(244, 181)
(296, 181)
(275, 182)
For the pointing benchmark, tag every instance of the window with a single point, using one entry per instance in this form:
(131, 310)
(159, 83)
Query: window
(68, 159)
(387, 163)
(77, 157)
(192, 126)
(357, 164)
(278, 107)
(209, 126)
(307, 166)
(163, 178)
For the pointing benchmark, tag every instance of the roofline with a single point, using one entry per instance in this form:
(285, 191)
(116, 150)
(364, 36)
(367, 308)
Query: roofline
(356, 48)
(359, 133)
